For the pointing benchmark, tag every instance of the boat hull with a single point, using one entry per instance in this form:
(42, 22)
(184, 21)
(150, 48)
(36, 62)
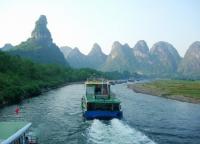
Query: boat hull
(102, 114)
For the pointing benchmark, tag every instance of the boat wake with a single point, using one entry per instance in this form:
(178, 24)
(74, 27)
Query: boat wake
(115, 132)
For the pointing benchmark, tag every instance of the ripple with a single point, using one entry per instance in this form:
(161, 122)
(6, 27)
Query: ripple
(56, 117)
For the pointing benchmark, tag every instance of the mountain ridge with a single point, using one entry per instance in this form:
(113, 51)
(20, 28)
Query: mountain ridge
(161, 59)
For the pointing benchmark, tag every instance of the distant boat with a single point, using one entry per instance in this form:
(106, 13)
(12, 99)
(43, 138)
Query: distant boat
(16, 133)
(98, 101)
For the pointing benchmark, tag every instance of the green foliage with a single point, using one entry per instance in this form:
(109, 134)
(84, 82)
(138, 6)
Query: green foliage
(21, 78)
(27, 46)
(40, 52)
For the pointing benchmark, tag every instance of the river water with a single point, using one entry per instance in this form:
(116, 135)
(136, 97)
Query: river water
(57, 119)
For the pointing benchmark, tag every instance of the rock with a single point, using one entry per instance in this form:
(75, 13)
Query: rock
(40, 32)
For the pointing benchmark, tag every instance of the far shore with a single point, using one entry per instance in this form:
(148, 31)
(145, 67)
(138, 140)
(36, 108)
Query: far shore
(153, 89)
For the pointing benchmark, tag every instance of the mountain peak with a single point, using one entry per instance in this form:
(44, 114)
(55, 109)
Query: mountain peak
(141, 50)
(75, 51)
(165, 54)
(190, 65)
(141, 46)
(7, 47)
(195, 45)
(116, 46)
(96, 49)
(163, 46)
(193, 51)
(96, 45)
(126, 45)
(41, 32)
(42, 20)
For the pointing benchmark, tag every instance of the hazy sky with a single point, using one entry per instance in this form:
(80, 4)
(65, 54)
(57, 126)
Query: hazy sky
(80, 23)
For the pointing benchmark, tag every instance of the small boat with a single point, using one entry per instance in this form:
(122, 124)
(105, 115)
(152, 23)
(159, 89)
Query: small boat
(98, 101)
(16, 133)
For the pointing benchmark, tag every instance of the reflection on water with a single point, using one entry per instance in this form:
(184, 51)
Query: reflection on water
(57, 118)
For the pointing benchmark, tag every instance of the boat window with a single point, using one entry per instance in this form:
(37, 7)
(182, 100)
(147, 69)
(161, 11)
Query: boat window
(90, 90)
(98, 89)
(103, 106)
(101, 89)
(105, 89)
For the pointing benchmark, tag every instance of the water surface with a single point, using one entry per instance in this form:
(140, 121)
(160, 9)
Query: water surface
(57, 118)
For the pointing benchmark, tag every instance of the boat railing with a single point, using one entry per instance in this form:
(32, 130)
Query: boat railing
(102, 97)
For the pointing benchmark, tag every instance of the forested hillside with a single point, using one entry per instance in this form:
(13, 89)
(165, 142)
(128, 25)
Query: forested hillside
(21, 78)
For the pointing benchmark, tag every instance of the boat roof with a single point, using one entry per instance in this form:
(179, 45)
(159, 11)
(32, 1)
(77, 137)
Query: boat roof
(111, 100)
(94, 81)
(10, 131)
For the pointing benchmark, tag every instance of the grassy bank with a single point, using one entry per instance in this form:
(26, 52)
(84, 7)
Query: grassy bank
(182, 90)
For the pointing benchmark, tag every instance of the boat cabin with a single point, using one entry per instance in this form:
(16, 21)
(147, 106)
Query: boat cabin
(98, 89)
(98, 101)
(16, 133)
(99, 96)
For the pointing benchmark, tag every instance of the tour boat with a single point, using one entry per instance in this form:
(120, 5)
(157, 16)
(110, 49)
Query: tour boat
(16, 133)
(98, 102)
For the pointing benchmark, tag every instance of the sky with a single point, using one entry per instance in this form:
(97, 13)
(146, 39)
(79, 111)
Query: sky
(81, 23)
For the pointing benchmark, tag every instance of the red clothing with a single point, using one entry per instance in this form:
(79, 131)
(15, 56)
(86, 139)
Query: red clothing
(17, 110)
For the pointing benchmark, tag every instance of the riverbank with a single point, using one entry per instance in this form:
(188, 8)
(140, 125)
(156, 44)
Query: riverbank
(21, 78)
(181, 90)
(40, 91)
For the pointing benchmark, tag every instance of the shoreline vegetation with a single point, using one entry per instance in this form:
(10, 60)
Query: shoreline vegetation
(180, 90)
(21, 78)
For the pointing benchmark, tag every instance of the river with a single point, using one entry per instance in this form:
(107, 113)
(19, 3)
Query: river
(57, 119)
